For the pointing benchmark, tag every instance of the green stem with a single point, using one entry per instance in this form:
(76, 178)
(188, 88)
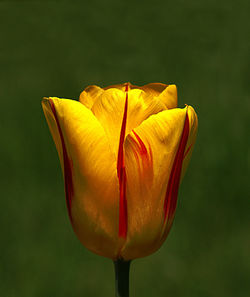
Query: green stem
(121, 278)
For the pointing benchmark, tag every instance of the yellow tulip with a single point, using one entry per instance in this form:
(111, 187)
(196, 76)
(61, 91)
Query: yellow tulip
(123, 151)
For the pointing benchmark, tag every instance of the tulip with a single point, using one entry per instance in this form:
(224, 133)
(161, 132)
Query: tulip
(123, 150)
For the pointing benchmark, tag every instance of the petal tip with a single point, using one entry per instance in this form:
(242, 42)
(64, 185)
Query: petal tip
(172, 90)
(169, 96)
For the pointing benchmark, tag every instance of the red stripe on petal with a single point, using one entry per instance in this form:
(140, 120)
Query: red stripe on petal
(187, 151)
(143, 149)
(122, 173)
(174, 179)
(68, 180)
(144, 158)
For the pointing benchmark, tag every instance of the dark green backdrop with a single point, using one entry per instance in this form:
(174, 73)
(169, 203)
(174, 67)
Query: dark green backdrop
(56, 49)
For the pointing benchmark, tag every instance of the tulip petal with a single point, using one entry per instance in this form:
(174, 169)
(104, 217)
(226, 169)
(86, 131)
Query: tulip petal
(122, 174)
(167, 94)
(94, 205)
(175, 176)
(109, 109)
(150, 150)
(169, 97)
(63, 154)
(53, 126)
(181, 161)
(89, 95)
(154, 89)
(193, 126)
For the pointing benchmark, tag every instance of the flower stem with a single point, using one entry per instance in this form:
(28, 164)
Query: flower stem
(121, 278)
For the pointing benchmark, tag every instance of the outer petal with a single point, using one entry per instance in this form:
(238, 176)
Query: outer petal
(94, 205)
(50, 118)
(179, 167)
(193, 126)
(149, 156)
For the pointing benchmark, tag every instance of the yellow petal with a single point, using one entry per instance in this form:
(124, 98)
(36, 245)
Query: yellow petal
(53, 128)
(118, 86)
(153, 89)
(149, 157)
(193, 126)
(109, 110)
(169, 97)
(94, 204)
(89, 95)
(167, 94)
(179, 167)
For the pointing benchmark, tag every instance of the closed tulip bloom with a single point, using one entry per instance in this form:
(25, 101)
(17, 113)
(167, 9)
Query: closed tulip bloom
(123, 150)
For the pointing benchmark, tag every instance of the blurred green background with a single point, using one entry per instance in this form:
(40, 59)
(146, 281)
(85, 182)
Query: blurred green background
(56, 49)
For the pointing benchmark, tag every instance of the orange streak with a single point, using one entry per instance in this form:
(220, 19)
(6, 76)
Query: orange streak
(68, 181)
(122, 174)
(174, 179)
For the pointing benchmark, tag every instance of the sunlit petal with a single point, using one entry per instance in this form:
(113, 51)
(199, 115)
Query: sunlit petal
(94, 205)
(149, 154)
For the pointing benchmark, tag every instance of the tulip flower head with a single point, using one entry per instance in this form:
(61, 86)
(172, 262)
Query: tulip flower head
(123, 150)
